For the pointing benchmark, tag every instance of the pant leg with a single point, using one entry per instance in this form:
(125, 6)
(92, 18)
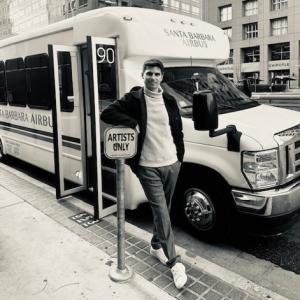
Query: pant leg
(152, 183)
(170, 175)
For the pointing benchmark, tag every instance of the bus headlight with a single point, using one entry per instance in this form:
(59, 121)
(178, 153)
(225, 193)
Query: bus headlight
(261, 168)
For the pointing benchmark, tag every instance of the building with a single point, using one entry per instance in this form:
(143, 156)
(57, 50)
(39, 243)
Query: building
(18, 16)
(61, 9)
(5, 24)
(264, 39)
(22, 16)
(193, 8)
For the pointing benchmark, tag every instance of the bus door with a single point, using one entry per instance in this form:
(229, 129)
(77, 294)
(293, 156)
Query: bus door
(102, 64)
(68, 121)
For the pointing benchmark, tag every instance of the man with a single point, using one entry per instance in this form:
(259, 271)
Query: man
(160, 152)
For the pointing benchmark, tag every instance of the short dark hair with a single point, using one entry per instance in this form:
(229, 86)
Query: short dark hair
(153, 63)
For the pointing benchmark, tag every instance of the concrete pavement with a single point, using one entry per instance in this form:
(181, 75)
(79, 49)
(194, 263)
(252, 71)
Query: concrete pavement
(44, 254)
(41, 259)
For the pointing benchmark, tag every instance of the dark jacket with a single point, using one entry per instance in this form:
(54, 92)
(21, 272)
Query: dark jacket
(131, 110)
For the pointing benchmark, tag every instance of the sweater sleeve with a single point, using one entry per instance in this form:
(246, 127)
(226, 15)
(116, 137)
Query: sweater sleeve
(118, 113)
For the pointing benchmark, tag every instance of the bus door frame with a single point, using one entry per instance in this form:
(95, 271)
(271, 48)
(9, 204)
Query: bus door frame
(61, 190)
(92, 43)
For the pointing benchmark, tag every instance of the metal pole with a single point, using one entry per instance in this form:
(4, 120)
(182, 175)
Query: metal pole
(121, 214)
(120, 272)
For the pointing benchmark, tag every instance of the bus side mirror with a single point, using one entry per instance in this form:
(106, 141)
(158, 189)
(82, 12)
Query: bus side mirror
(205, 117)
(205, 111)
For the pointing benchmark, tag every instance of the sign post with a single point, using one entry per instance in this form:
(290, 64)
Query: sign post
(120, 143)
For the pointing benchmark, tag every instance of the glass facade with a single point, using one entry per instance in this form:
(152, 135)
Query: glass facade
(25, 16)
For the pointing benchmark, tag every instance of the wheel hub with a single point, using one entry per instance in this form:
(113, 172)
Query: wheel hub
(199, 209)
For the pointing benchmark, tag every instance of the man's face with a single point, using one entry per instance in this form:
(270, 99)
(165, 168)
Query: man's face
(152, 78)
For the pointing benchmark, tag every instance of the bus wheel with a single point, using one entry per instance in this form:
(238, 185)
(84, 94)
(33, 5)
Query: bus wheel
(206, 211)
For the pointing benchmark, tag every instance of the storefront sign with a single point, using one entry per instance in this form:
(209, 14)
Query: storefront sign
(225, 68)
(279, 65)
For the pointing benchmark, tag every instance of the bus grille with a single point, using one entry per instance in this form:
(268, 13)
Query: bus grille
(291, 139)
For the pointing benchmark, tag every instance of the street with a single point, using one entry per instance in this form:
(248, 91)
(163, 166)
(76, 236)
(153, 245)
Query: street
(264, 260)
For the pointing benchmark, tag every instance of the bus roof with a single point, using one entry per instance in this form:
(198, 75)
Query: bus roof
(142, 32)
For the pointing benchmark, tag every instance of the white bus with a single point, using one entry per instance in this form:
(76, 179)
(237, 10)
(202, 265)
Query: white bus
(55, 81)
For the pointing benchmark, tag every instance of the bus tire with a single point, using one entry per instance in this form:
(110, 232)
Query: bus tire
(206, 209)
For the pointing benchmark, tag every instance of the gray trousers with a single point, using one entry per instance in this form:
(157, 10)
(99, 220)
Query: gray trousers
(159, 185)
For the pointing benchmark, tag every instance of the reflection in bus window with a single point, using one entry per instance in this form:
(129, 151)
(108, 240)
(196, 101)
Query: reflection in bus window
(16, 82)
(37, 71)
(182, 82)
(65, 81)
(2, 84)
(106, 68)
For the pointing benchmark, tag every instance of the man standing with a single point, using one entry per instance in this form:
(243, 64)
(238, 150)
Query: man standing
(155, 115)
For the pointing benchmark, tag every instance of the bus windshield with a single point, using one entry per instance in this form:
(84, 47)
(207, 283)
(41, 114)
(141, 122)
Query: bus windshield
(182, 82)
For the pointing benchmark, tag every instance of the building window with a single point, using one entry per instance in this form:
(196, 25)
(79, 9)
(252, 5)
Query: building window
(251, 54)
(279, 4)
(225, 13)
(174, 4)
(253, 77)
(279, 26)
(280, 76)
(228, 31)
(250, 7)
(82, 3)
(228, 61)
(195, 10)
(185, 7)
(280, 51)
(250, 30)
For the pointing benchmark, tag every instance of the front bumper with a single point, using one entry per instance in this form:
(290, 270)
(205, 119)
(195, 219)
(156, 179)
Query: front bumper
(276, 202)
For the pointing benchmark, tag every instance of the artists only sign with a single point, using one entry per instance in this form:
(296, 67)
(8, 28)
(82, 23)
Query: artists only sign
(120, 142)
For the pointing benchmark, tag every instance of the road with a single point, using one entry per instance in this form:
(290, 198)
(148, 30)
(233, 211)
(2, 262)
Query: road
(271, 261)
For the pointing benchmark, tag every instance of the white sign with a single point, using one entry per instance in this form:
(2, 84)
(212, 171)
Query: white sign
(279, 65)
(120, 142)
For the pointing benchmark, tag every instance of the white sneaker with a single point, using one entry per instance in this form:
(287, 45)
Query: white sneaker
(159, 254)
(179, 276)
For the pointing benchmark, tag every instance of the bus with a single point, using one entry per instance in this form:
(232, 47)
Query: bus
(56, 80)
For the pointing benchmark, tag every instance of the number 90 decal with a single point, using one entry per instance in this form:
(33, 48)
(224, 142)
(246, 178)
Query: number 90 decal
(107, 55)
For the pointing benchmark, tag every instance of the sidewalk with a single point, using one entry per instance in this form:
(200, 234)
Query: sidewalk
(44, 254)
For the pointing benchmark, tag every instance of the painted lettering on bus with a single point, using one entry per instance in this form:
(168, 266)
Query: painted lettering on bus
(190, 39)
(36, 119)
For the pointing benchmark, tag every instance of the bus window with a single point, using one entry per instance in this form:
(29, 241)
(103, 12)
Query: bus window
(65, 81)
(37, 70)
(106, 68)
(2, 84)
(16, 82)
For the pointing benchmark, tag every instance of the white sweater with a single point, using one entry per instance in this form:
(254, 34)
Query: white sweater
(159, 149)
